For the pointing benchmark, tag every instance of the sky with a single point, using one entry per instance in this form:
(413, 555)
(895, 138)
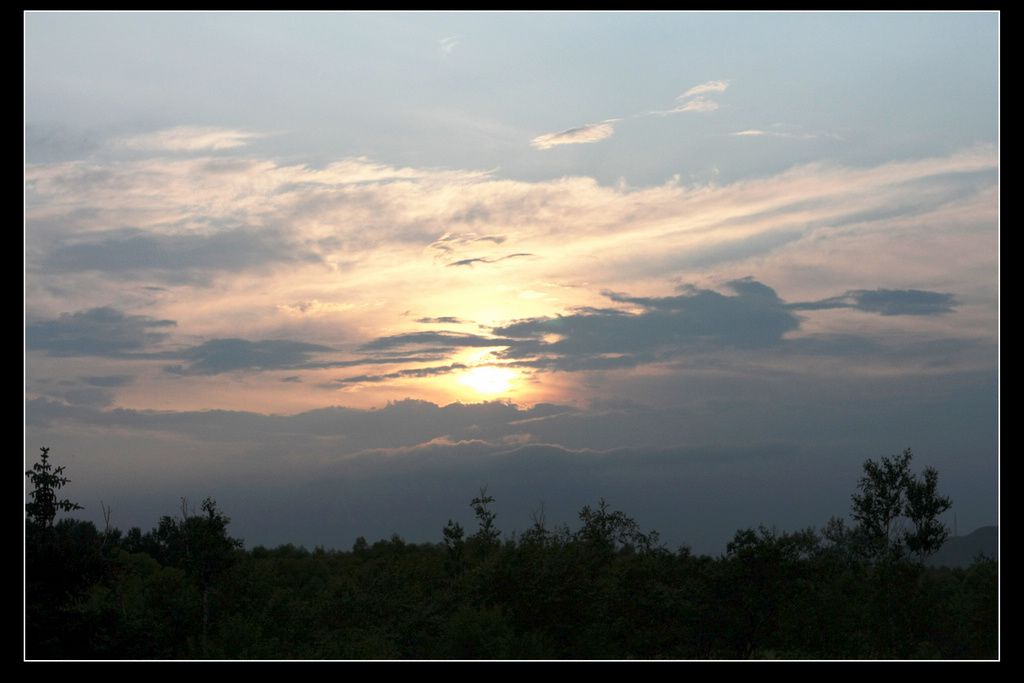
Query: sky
(341, 271)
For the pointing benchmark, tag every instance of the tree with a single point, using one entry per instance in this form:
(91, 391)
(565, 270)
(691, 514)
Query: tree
(62, 559)
(604, 530)
(488, 536)
(47, 480)
(897, 514)
(924, 505)
(456, 546)
(200, 545)
(890, 496)
(762, 585)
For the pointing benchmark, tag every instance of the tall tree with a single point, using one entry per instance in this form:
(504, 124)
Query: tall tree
(890, 497)
(897, 513)
(47, 480)
(924, 505)
(489, 535)
(62, 559)
(200, 545)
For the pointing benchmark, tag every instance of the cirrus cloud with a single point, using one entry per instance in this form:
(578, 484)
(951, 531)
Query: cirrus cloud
(190, 138)
(593, 132)
(589, 133)
(710, 86)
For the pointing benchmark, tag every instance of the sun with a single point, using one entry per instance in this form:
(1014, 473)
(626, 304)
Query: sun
(488, 380)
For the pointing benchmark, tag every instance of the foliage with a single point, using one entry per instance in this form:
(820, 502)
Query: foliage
(924, 505)
(603, 531)
(199, 544)
(47, 480)
(456, 547)
(488, 535)
(605, 590)
(62, 561)
(890, 497)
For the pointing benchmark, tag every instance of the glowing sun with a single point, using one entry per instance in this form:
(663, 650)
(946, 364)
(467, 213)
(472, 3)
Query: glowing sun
(488, 380)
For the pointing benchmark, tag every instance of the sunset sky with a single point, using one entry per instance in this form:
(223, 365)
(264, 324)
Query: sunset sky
(340, 271)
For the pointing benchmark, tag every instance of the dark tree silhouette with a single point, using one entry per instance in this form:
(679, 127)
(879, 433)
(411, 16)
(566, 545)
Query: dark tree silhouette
(890, 497)
(47, 480)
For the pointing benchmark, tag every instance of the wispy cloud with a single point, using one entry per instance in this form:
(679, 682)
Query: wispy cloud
(442, 320)
(448, 340)
(314, 307)
(341, 252)
(598, 131)
(413, 373)
(573, 136)
(471, 261)
(710, 86)
(190, 139)
(698, 104)
(226, 355)
(693, 100)
(448, 44)
(783, 134)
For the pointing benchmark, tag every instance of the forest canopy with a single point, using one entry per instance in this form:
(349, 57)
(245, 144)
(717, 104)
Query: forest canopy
(604, 589)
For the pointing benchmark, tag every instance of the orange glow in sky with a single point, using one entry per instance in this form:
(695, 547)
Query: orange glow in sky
(535, 255)
(488, 380)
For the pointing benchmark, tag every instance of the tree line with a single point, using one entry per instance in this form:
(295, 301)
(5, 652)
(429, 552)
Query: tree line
(604, 590)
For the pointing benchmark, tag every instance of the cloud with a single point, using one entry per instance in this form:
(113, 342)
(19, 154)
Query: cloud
(103, 331)
(589, 133)
(314, 307)
(710, 86)
(190, 139)
(89, 396)
(227, 355)
(471, 261)
(44, 142)
(698, 104)
(416, 373)
(698, 320)
(648, 330)
(335, 255)
(886, 302)
(781, 134)
(111, 333)
(598, 131)
(109, 380)
(432, 339)
(448, 44)
(443, 320)
(449, 241)
(339, 473)
(133, 252)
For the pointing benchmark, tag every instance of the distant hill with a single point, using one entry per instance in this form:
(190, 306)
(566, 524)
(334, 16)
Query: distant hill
(960, 551)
